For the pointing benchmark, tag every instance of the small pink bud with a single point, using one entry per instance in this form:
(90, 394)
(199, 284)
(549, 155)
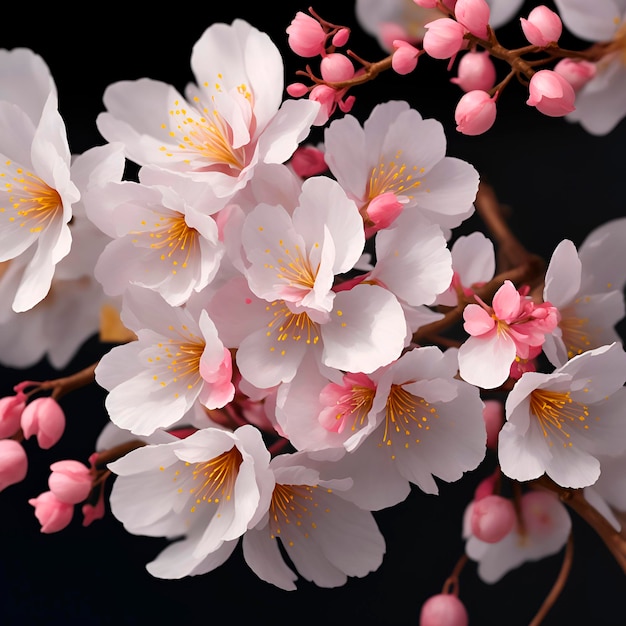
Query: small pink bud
(327, 97)
(476, 71)
(443, 38)
(44, 418)
(493, 518)
(92, 512)
(444, 609)
(485, 488)
(493, 414)
(13, 463)
(336, 67)
(576, 73)
(475, 113)
(426, 4)
(474, 15)
(11, 409)
(306, 37)
(70, 481)
(383, 210)
(53, 515)
(404, 59)
(551, 94)
(341, 37)
(297, 90)
(308, 161)
(542, 27)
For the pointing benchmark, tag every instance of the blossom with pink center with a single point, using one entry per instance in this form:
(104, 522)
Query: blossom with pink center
(551, 94)
(560, 423)
(177, 360)
(542, 27)
(397, 151)
(44, 418)
(13, 463)
(53, 514)
(229, 120)
(512, 326)
(475, 112)
(545, 527)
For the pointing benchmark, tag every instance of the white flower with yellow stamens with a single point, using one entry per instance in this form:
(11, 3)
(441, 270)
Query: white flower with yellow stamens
(397, 151)
(560, 423)
(163, 235)
(228, 122)
(36, 192)
(208, 489)
(177, 360)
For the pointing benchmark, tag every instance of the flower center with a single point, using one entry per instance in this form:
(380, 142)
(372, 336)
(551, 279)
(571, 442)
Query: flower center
(292, 509)
(393, 177)
(31, 202)
(575, 334)
(286, 325)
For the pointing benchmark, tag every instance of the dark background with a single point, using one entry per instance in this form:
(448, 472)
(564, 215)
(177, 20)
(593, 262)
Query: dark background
(559, 182)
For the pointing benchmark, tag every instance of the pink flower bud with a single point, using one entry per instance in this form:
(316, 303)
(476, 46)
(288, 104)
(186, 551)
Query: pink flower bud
(475, 113)
(327, 97)
(336, 68)
(383, 210)
(13, 463)
(576, 73)
(476, 71)
(11, 409)
(306, 37)
(70, 481)
(53, 515)
(474, 15)
(444, 609)
(551, 94)
(404, 59)
(308, 161)
(443, 38)
(341, 37)
(493, 518)
(297, 90)
(493, 414)
(44, 418)
(485, 488)
(426, 4)
(542, 27)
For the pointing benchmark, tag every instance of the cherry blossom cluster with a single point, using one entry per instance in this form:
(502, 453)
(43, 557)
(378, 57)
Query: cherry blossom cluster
(283, 366)
(558, 82)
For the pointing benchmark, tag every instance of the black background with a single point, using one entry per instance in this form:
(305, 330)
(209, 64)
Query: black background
(559, 181)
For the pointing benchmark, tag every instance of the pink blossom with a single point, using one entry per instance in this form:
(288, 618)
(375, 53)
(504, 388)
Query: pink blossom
(306, 37)
(329, 100)
(336, 67)
(70, 481)
(444, 609)
(551, 94)
(404, 59)
(512, 326)
(475, 112)
(476, 71)
(297, 90)
(444, 38)
(308, 161)
(542, 27)
(340, 38)
(347, 404)
(486, 486)
(13, 463)
(382, 211)
(11, 408)
(474, 15)
(44, 418)
(492, 518)
(576, 73)
(53, 514)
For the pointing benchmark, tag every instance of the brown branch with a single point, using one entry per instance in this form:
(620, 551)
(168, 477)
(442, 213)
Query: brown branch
(66, 384)
(117, 452)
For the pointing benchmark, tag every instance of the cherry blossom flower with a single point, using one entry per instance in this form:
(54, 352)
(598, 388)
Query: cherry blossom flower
(226, 123)
(601, 103)
(587, 319)
(74, 293)
(512, 327)
(545, 528)
(398, 151)
(560, 423)
(207, 488)
(326, 537)
(176, 361)
(37, 192)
